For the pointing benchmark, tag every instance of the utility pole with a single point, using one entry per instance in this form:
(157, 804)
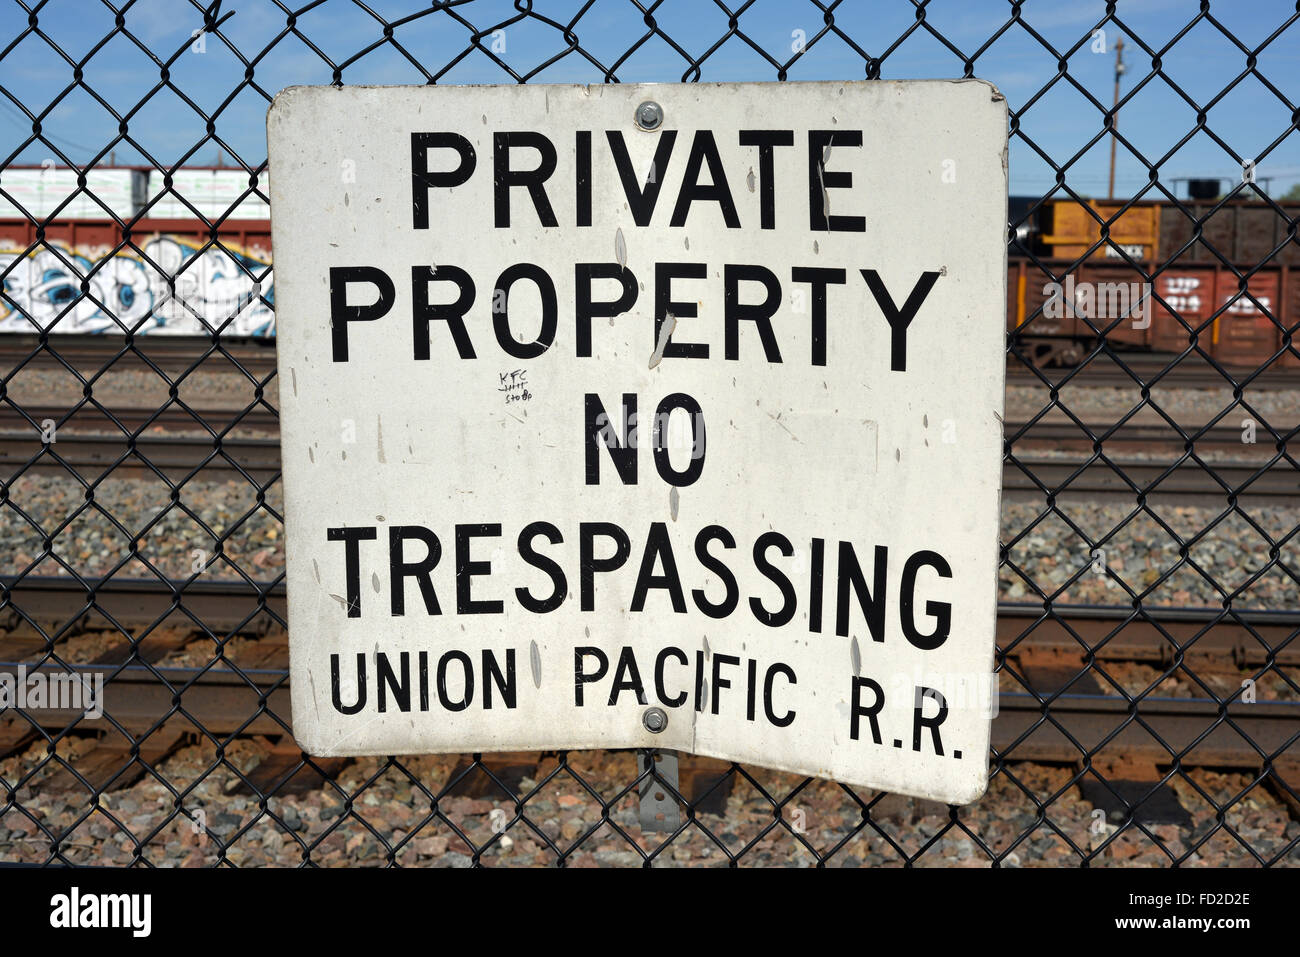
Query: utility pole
(1114, 125)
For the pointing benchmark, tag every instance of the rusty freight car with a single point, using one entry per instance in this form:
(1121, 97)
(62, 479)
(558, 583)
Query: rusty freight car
(1166, 276)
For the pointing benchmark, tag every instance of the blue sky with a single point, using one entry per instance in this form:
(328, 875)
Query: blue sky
(1249, 120)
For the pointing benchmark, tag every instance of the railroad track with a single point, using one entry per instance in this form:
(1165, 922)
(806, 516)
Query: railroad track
(178, 353)
(177, 456)
(174, 442)
(110, 419)
(229, 605)
(1140, 435)
(1130, 478)
(173, 354)
(1045, 721)
(1187, 375)
(1053, 431)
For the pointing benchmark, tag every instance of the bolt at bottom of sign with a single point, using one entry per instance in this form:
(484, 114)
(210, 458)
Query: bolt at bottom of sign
(655, 720)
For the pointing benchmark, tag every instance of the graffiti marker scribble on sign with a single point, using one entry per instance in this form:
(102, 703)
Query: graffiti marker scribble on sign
(515, 385)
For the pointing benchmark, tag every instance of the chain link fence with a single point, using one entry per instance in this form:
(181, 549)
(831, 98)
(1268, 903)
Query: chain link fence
(1147, 633)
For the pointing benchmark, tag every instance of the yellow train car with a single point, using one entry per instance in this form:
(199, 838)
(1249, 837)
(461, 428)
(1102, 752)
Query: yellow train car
(1070, 229)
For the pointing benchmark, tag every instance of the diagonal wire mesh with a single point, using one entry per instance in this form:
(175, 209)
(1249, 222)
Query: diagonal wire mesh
(1147, 650)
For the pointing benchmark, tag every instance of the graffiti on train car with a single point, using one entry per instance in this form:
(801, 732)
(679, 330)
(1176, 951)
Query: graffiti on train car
(222, 286)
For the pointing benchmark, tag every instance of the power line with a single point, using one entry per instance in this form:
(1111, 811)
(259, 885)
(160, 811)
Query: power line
(17, 117)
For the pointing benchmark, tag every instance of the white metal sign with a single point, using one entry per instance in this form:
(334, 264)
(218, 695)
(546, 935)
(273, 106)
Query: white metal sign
(655, 416)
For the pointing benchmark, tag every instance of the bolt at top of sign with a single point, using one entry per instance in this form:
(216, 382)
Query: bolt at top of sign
(649, 115)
